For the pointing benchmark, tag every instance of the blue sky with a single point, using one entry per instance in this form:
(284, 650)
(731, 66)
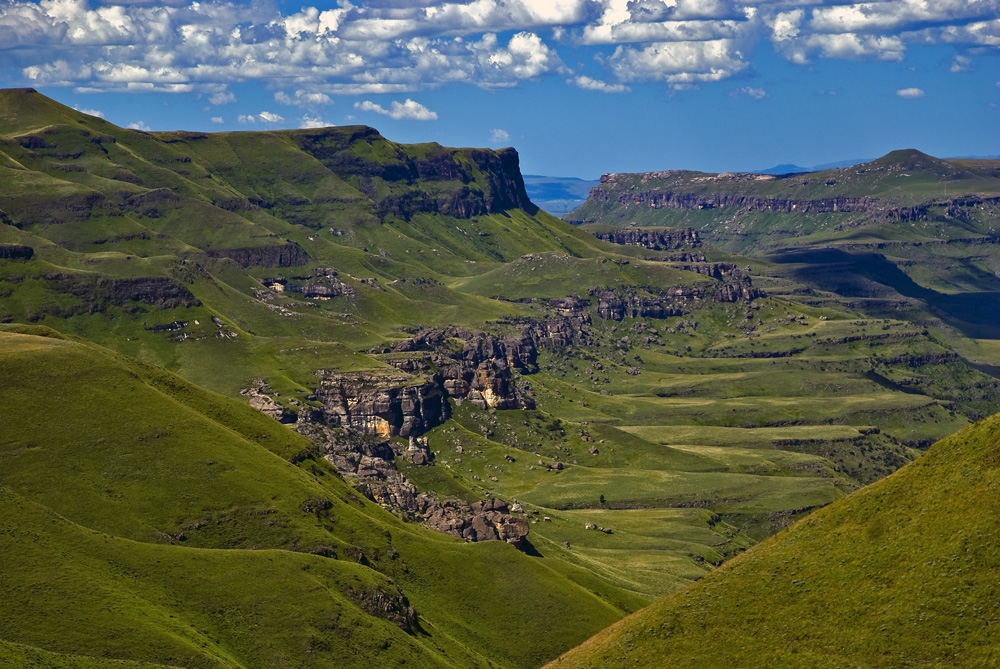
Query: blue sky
(579, 87)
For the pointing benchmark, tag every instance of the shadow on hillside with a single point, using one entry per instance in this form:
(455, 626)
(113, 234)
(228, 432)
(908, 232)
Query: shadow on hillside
(850, 275)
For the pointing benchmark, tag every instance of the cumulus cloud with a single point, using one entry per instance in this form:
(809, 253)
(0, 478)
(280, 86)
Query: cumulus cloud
(406, 46)
(313, 122)
(755, 93)
(304, 98)
(961, 64)
(221, 98)
(678, 63)
(139, 125)
(910, 93)
(498, 136)
(218, 119)
(590, 84)
(409, 110)
(90, 112)
(263, 117)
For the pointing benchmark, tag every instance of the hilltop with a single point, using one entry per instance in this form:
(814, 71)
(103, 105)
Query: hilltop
(901, 573)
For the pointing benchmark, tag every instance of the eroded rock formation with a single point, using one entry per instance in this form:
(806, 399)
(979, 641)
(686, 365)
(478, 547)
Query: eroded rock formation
(663, 239)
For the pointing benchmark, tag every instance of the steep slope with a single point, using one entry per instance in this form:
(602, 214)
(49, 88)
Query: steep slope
(112, 507)
(901, 573)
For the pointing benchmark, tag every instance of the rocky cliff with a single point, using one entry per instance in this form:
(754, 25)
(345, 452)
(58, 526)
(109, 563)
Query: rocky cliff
(668, 199)
(654, 239)
(403, 181)
(276, 255)
(383, 404)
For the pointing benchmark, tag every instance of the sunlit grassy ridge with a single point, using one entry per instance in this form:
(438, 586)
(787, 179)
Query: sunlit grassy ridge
(113, 508)
(901, 573)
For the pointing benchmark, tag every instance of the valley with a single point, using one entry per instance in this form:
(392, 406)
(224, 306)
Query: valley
(429, 422)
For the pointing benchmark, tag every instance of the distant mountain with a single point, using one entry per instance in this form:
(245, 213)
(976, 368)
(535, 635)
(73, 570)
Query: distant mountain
(901, 573)
(783, 169)
(557, 195)
(789, 168)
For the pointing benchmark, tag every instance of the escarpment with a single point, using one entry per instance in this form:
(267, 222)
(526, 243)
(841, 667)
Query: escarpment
(665, 199)
(403, 181)
(277, 255)
(654, 239)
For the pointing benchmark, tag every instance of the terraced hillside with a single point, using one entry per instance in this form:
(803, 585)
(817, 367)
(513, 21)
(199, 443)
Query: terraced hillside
(900, 573)
(627, 412)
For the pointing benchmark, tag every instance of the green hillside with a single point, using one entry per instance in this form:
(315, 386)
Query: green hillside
(173, 529)
(901, 573)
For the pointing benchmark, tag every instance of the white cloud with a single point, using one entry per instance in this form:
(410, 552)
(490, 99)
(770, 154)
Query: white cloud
(961, 64)
(263, 117)
(409, 110)
(303, 98)
(218, 119)
(499, 136)
(896, 14)
(590, 84)
(679, 63)
(402, 47)
(847, 46)
(221, 98)
(313, 122)
(755, 93)
(90, 112)
(910, 93)
(139, 125)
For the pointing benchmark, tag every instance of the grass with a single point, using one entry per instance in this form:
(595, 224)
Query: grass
(166, 507)
(898, 573)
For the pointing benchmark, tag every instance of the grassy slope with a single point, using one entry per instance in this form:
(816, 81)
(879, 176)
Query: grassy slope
(901, 573)
(115, 506)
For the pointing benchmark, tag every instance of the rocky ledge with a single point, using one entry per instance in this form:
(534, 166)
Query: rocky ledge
(664, 239)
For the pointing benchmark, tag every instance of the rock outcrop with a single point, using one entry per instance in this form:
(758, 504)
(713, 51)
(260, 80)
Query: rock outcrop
(381, 404)
(277, 255)
(369, 463)
(94, 293)
(16, 251)
(663, 239)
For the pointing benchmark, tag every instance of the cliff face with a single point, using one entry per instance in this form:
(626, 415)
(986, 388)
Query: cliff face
(387, 405)
(406, 180)
(666, 199)
(657, 240)
(279, 255)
